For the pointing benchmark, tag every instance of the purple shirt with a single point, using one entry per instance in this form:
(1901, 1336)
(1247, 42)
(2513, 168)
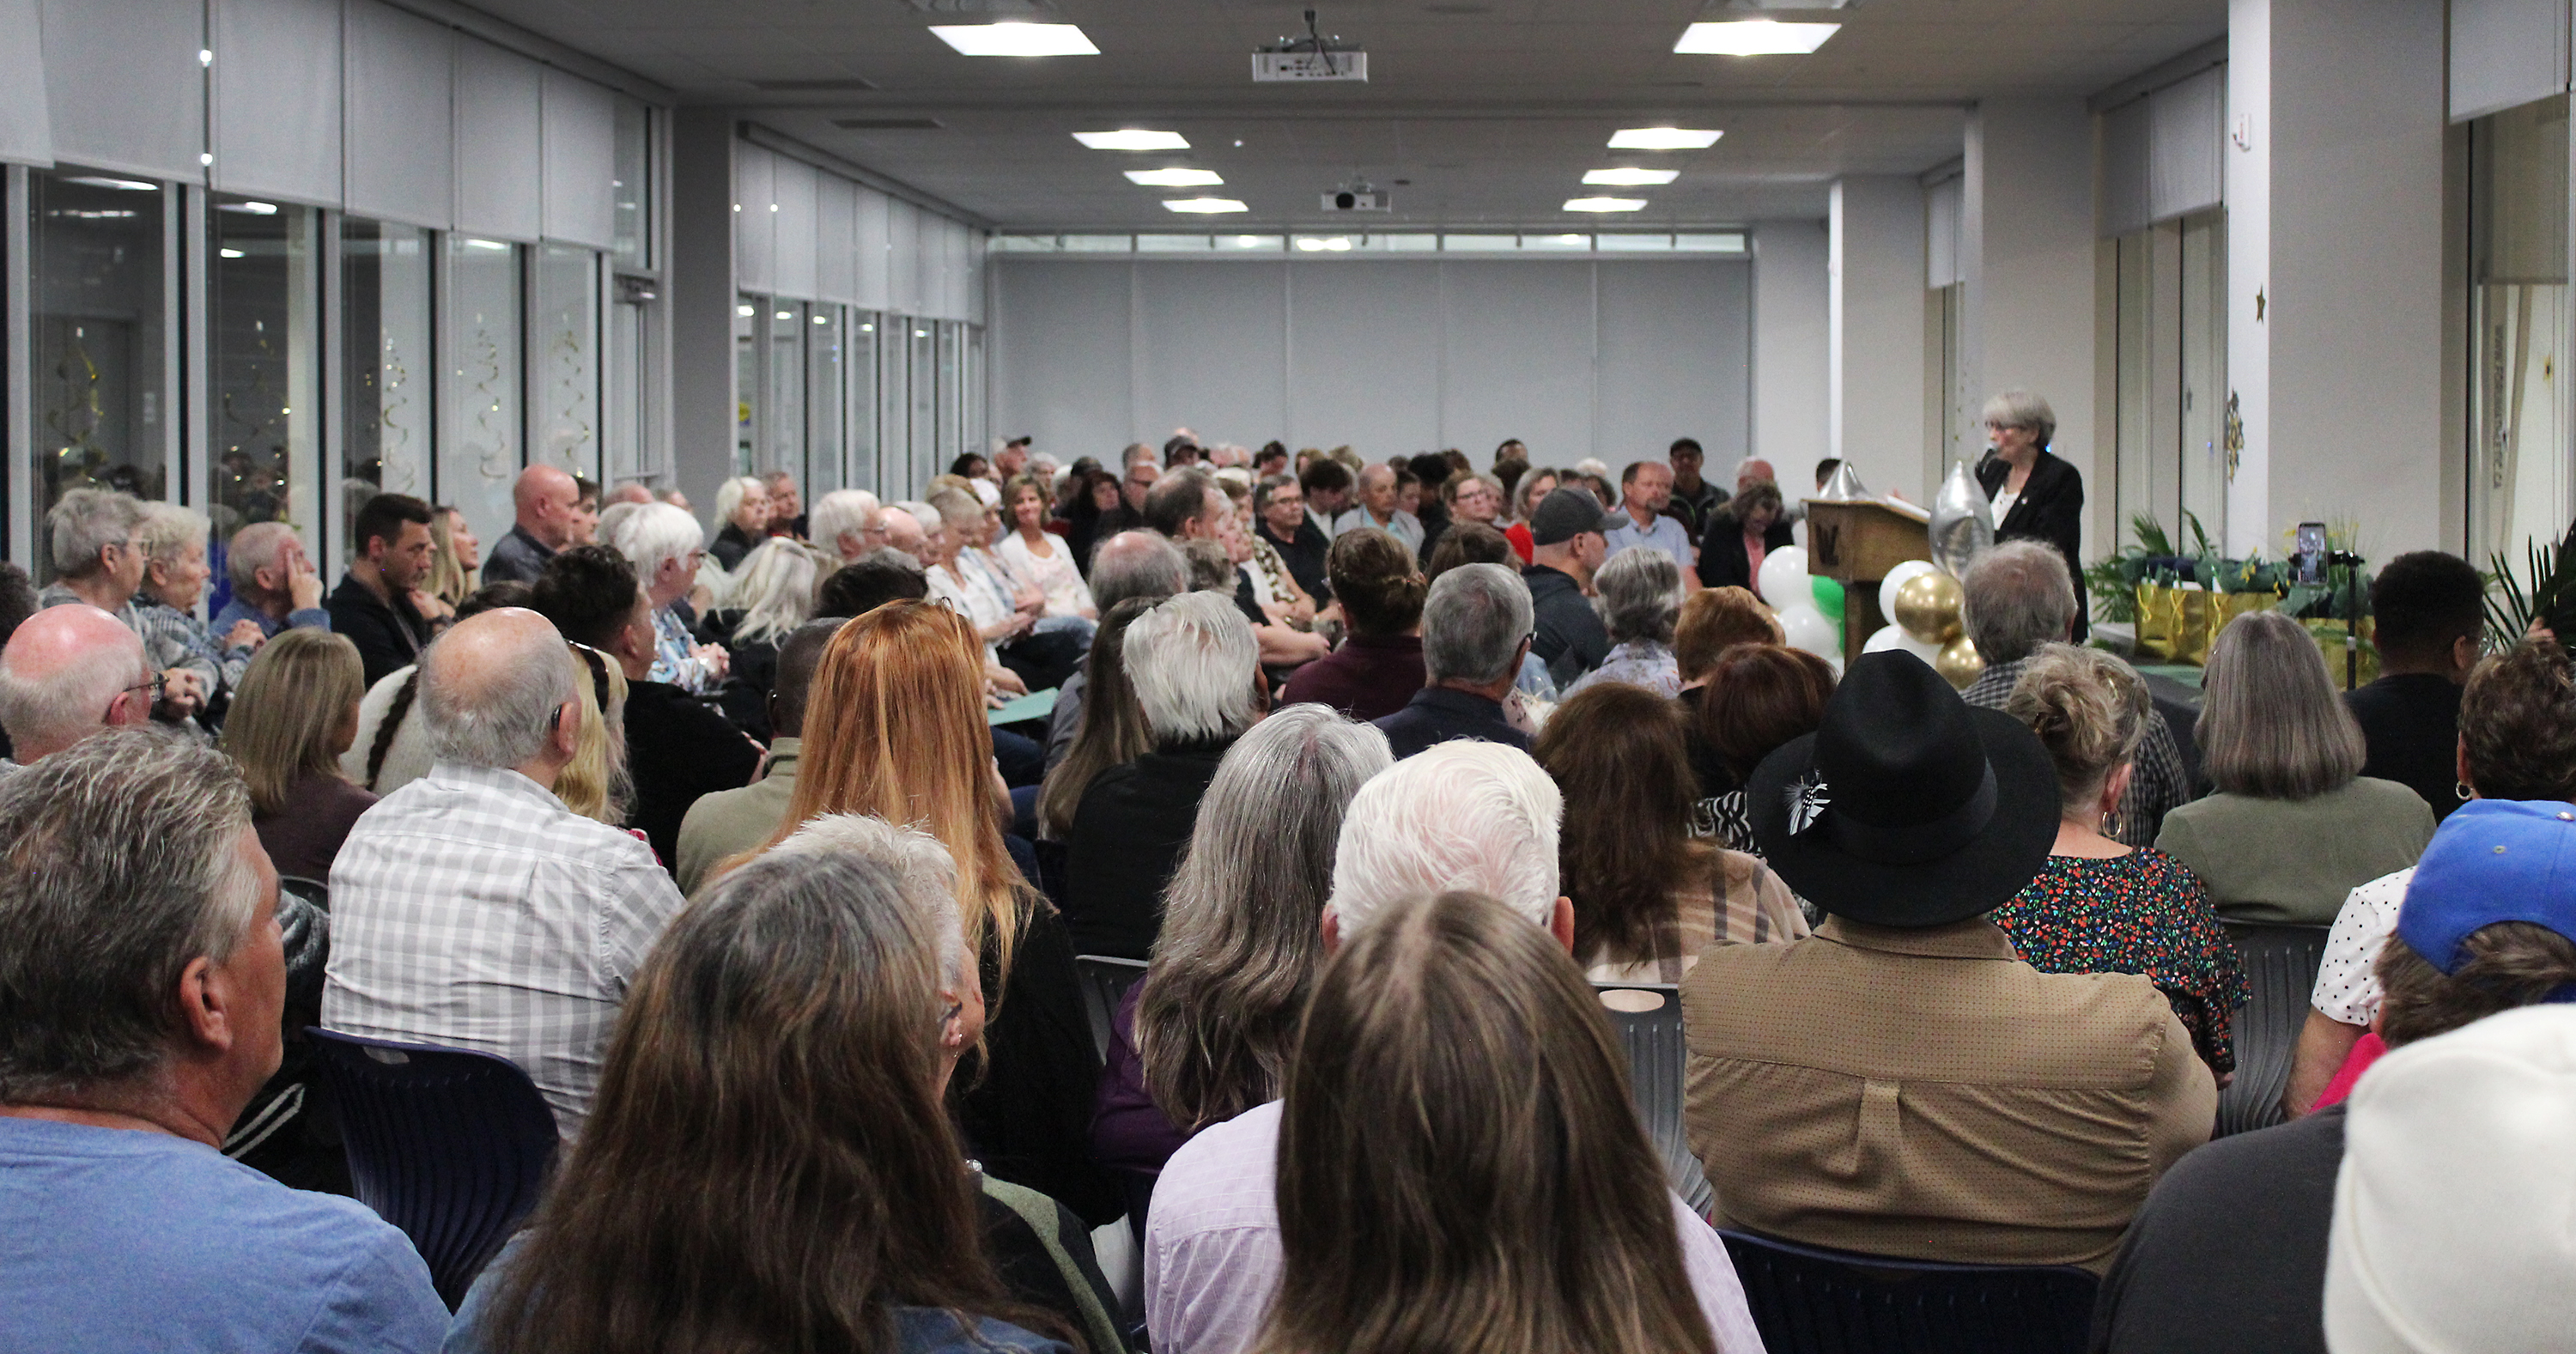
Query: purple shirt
(1128, 1132)
(1368, 678)
(1212, 1256)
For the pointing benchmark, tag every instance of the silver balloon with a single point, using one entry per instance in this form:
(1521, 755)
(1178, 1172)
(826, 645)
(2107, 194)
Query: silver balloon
(1844, 486)
(1963, 522)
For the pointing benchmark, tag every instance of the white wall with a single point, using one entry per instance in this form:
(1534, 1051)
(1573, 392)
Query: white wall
(1791, 370)
(1875, 400)
(1611, 358)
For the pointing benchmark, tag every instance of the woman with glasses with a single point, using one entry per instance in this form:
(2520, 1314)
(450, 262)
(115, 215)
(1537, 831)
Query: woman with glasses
(2036, 495)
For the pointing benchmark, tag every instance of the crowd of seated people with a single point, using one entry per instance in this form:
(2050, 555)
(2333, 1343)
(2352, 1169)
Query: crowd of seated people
(1377, 770)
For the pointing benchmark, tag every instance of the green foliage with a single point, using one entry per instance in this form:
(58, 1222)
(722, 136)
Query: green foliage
(2544, 588)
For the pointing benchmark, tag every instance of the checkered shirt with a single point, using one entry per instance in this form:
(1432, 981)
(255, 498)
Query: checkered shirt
(471, 909)
(2157, 783)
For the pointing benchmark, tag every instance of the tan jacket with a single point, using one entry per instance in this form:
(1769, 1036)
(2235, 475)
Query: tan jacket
(1926, 1094)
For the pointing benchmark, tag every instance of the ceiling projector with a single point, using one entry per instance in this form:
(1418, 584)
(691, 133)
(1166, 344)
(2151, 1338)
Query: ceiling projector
(1312, 57)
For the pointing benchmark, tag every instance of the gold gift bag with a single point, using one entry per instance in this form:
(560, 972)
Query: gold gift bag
(2217, 609)
(2155, 623)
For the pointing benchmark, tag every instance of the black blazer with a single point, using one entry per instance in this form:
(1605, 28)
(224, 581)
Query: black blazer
(1722, 561)
(2051, 509)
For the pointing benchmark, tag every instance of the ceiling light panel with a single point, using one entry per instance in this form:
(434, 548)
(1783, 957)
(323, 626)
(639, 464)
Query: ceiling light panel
(1015, 39)
(1175, 178)
(1631, 178)
(1204, 206)
(1133, 139)
(1605, 204)
(1663, 138)
(1754, 37)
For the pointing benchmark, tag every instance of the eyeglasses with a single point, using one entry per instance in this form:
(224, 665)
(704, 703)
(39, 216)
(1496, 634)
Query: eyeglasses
(157, 686)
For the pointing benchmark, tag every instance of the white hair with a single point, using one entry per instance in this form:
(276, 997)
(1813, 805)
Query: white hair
(1193, 660)
(1465, 814)
(498, 718)
(842, 512)
(2022, 409)
(925, 874)
(653, 535)
(261, 545)
(168, 529)
(86, 521)
(730, 493)
(775, 588)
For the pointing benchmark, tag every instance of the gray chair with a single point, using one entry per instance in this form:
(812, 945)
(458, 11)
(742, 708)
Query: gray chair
(2281, 967)
(1649, 1019)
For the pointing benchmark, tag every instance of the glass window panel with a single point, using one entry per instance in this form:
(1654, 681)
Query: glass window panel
(566, 332)
(1173, 244)
(1020, 244)
(952, 391)
(862, 432)
(750, 330)
(1098, 244)
(266, 302)
(385, 368)
(894, 407)
(634, 185)
(924, 415)
(98, 310)
(478, 436)
(1557, 242)
(1643, 244)
(975, 431)
(1477, 244)
(1723, 242)
(2519, 476)
(824, 400)
(1408, 243)
(1252, 244)
(783, 419)
(628, 419)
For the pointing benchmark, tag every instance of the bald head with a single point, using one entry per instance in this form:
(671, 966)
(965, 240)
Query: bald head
(1137, 564)
(1753, 471)
(903, 531)
(493, 691)
(630, 492)
(66, 675)
(544, 498)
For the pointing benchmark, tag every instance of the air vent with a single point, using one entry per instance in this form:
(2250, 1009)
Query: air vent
(836, 85)
(888, 124)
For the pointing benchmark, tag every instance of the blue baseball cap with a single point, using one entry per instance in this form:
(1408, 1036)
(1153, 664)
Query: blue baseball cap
(2492, 860)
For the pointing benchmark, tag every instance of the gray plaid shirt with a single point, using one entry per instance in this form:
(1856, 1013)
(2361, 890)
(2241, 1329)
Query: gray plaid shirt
(471, 909)
(163, 624)
(2157, 786)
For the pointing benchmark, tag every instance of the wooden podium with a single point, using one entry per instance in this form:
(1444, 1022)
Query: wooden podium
(1856, 544)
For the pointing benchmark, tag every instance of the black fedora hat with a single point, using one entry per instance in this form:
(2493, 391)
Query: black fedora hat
(1907, 806)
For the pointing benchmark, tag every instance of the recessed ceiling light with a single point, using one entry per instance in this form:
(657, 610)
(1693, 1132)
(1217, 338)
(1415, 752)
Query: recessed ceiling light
(1631, 178)
(1175, 178)
(745, 311)
(248, 208)
(1663, 138)
(228, 253)
(1318, 244)
(1204, 205)
(1133, 139)
(1015, 39)
(1754, 37)
(1605, 204)
(126, 185)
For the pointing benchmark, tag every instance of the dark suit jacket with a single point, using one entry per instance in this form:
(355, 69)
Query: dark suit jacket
(1437, 714)
(677, 750)
(2051, 509)
(1127, 838)
(1722, 561)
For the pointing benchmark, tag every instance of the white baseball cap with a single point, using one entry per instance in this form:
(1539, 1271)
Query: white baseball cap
(2455, 1211)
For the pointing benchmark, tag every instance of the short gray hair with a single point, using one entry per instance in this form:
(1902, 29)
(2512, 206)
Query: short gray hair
(2022, 409)
(925, 875)
(1136, 564)
(2271, 724)
(72, 699)
(499, 718)
(842, 512)
(1473, 623)
(655, 534)
(255, 547)
(2019, 596)
(86, 521)
(1466, 814)
(120, 865)
(1193, 660)
(168, 529)
(1639, 593)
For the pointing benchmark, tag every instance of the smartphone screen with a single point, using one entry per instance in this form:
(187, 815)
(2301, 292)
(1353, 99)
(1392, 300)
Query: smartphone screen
(2312, 552)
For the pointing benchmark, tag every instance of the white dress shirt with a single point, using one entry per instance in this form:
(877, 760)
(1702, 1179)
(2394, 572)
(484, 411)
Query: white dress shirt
(471, 909)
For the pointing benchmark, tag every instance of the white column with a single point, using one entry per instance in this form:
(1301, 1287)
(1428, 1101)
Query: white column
(1875, 400)
(1789, 352)
(2334, 186)
(2027, 258)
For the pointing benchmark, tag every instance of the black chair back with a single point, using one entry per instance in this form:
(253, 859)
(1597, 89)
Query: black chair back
(1105, 981)
(449, 1145)
(1648, 1017)
(1808, 1300)
(2281, 969)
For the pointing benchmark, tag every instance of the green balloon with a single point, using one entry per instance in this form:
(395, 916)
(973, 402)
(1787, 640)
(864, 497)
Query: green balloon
(1829, 598)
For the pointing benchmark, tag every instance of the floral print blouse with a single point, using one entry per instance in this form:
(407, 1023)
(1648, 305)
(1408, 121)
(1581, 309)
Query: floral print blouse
(2143, 912)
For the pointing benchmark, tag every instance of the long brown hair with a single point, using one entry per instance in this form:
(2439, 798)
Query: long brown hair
(894, 728)
(298, 696)
(767, 1164)
(1484, 1189)
(1616, 751)
(1113, 729)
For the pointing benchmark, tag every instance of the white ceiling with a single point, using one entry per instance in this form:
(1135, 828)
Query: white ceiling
(1476, 112)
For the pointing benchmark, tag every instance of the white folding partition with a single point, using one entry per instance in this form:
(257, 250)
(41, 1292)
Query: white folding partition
(579, 138)
(124, 88)
(398, 144)
(277, 103)
(500, 143)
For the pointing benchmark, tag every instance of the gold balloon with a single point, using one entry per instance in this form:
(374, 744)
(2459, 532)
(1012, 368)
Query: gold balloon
(1927, 605)
(1959, 663)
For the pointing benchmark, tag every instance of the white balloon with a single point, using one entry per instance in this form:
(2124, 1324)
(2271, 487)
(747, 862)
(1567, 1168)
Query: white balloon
(1783, 580)
(1894, 637)
(1808, 629)
(1895, 579)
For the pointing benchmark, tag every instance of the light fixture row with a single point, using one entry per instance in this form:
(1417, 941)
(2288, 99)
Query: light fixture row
(1735, 37)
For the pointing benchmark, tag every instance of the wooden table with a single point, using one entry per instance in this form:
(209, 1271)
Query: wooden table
(1857, 543)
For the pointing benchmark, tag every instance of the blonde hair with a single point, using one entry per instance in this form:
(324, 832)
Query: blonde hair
(300, 693)
(448, 581)
(2089, 710)
(594, 783)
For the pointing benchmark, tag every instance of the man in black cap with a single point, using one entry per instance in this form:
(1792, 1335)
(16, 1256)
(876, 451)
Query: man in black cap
(1568, 542)
(1900, 1083)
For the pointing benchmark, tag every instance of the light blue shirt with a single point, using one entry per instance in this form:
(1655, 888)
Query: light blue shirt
(1667, 534)
(114, 1238)
(237, 611)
